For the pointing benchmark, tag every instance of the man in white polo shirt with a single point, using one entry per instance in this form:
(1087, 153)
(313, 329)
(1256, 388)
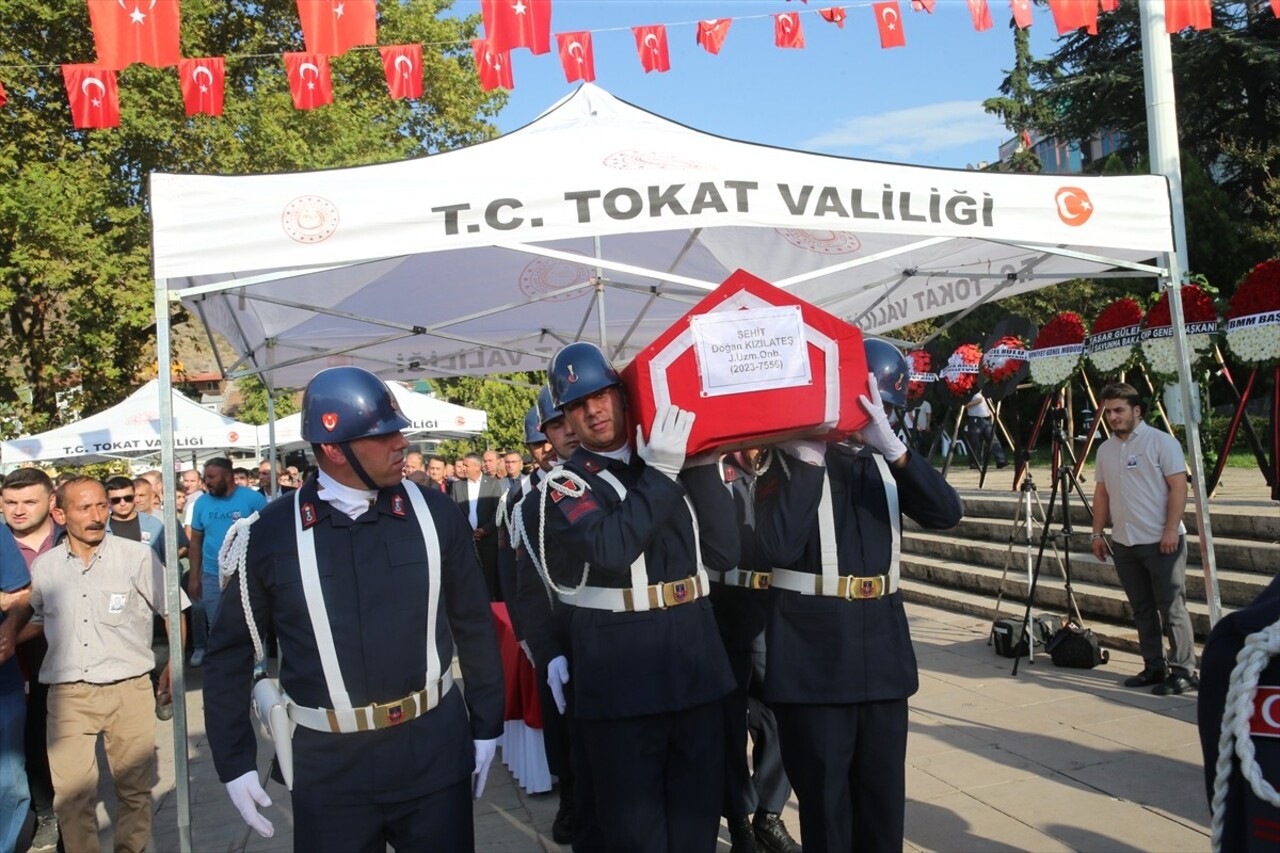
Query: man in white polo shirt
(1142, 489)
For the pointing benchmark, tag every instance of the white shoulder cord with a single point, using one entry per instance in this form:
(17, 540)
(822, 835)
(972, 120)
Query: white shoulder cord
(233, 558)
(570, 485)
(1254, 656)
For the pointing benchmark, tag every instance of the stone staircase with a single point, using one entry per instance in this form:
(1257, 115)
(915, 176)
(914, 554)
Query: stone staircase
(961, 569)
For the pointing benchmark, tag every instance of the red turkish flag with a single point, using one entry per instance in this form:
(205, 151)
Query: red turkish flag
(787, 31)
(923, 6)
(330, 27)
(1021, 12)
(1275, 7)
(889, 20)
(981, 14)
(309, 81)
(651, 44)
(95, 100)
(127, 31)
(1108, 5)
(1180, 14)
(402, 63)
(203, 84)
(494, 67)
(576, 56)
(836, 15)
(1070, 15)
(711, 33)
(517, 23)
(4, 96)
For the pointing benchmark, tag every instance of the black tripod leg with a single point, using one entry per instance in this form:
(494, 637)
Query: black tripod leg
(1035, 574)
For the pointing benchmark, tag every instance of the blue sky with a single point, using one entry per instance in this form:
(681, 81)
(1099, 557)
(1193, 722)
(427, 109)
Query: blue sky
(842, 94)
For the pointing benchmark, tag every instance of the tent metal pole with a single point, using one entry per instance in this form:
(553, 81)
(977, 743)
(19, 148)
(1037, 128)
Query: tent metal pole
(271, 418)
(1162, 130)
(599, 283)
(173, 577)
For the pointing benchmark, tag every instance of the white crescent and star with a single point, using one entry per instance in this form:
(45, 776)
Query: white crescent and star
(885, 14)
(93, 81)
(195, 76)
(1070, 206)
(579, 54)
(518, 7)
(339, 10)
(652, 42)
(786, 22)
(302, 72)
(408, 63)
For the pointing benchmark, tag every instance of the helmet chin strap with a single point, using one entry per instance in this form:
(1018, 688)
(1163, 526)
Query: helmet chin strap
(356, 466)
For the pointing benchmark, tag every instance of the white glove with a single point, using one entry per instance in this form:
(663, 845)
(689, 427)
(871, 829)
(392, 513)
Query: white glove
(557, 678)
(485, 751)
(244, 792)
(668, 439)
(878, 435)
(809, 451)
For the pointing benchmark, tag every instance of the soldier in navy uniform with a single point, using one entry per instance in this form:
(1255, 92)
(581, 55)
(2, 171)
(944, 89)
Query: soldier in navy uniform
(840, 662)
(1248, 821)
(647, 664)
(369, 583)
(741, 600)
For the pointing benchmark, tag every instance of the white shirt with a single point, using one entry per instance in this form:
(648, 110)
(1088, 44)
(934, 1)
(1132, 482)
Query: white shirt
(473, 497)
(1134, 472)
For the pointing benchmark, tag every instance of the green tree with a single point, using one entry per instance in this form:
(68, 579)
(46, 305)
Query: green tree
(253, 401)
(1019, 106)
(505, 398)
(76, 292)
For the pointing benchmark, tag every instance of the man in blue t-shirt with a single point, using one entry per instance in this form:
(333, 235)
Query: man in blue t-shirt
(15, 796)
(222, 505)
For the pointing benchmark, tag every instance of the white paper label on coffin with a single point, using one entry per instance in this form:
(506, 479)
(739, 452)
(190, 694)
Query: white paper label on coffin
(661, 363)
(758, 349)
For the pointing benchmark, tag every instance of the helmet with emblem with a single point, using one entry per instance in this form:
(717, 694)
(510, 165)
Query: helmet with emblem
(533, 427)
(547, 410)
(577, 371)
(889, 366)
(346, 403)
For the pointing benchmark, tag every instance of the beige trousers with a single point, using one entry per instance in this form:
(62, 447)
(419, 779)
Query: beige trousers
(124, 713)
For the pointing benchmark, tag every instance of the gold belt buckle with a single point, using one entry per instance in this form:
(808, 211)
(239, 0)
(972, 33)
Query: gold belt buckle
(393, 713)
(761, 580)
(864, 588)
(678, 592)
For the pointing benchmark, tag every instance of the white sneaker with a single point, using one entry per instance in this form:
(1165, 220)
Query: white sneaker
(197, 658)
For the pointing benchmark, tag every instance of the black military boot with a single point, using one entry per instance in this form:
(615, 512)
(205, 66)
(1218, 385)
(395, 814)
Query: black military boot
(772, 835)
(741, 835)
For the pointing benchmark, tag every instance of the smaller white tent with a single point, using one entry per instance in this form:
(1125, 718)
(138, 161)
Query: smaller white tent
(132, 428)
(426, 414)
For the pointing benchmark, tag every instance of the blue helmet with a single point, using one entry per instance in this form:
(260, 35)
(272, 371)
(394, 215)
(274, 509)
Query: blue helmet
(547, 410)
(889, 366)
(533, 427)
(345, 403)
(579, 370)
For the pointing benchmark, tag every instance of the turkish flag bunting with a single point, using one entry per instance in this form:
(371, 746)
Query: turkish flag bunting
(836, 15)
(923, 5)
(576, 56)
(1108, 5)
(4, 96)
(402, 64)
(1021, 12)
(981, 15)
(494, 67)
(787, 31)
(143, 31)
(889, 20)
(711, 33)
(203, 84)
(517, 23)
(1180, 14)
(1275, 7)
(330, 27)
(651, 44)
(1070, 15)
(95, 100)
(309, 81)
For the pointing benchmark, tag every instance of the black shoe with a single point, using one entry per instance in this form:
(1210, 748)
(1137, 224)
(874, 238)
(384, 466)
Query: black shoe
(1002, 464)
(562, 826)
(741, 836)
(1175, 684)
(772, 835)
(1146, 678)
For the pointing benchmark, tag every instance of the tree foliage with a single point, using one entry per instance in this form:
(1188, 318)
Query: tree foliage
(76, 292)
(253, 401)
(506, 399)
(1018, 105)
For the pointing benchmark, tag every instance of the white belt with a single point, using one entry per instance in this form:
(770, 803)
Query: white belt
(850, 587)
(658, 596)
(742, 578)
(377, 716)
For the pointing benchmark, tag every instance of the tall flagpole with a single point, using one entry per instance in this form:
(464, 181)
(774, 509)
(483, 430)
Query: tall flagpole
(1162, 137)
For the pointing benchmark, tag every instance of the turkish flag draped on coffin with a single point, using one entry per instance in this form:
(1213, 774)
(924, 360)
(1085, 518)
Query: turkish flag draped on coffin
(576, 56)
(787, 31)
(95, 100)
(651, 44)
(889, 20)
(143, 31)
(494, 67)
(711, 33)
(203, 84)
(309, 81)
(402, 63)
(331, 27)
(517, 23)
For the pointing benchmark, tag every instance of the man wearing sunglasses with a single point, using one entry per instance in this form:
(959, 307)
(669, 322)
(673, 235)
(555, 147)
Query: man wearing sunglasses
(125, 520)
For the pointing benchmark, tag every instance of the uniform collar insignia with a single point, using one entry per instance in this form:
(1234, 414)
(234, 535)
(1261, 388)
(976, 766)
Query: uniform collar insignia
(309, 517)
(397, 506)
(730, 473)
(591, 466)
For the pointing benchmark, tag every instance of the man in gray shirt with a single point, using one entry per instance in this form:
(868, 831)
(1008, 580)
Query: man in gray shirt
(1142, 489)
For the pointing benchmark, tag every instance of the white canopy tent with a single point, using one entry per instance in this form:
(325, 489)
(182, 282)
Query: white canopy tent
(132, 427)
(427, 416)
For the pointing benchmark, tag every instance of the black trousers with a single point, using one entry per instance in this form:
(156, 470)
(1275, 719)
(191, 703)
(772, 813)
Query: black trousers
(659, 779)
(848, 766)
(440, 821)
(977, 433)
(766, 788)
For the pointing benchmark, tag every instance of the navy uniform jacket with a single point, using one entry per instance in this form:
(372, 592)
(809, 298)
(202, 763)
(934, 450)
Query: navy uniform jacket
(507, 547)
(825, 650)
(373, 574)
(1250, 823)
(543, 618)
(635, 664)
(741, 613)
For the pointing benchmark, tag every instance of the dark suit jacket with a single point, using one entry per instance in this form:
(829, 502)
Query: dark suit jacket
(487, 514)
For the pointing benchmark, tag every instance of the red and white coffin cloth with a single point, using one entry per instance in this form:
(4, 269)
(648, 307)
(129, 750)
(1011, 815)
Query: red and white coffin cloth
(757, 366)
